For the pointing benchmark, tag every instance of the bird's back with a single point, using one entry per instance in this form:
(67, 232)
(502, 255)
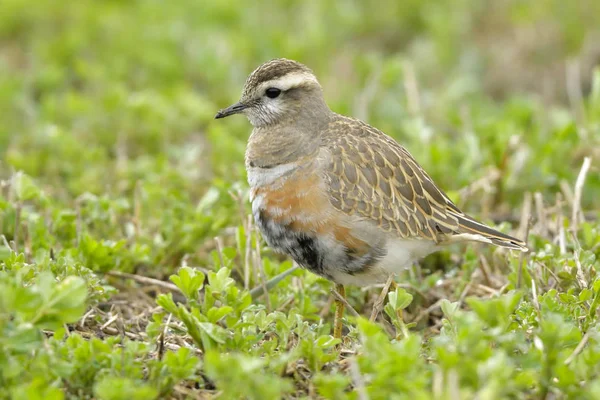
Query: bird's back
(371, 176)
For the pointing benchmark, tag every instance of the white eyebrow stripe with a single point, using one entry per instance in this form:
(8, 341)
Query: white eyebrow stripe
(289, 81)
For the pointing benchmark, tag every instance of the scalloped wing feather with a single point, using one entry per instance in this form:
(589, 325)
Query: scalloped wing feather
(371, 176)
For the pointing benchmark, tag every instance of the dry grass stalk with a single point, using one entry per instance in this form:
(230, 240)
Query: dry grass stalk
(577, 215)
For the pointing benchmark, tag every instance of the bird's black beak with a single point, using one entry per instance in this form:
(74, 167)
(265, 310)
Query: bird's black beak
(233, 109)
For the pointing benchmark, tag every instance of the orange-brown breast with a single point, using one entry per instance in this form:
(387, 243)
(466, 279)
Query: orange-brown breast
(296, 217)
(299, 202)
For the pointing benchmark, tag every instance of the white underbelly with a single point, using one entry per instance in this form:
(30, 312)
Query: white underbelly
(401, 253)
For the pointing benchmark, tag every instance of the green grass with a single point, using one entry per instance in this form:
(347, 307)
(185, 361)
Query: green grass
(128, 267)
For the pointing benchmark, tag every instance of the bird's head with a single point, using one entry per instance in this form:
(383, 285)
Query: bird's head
(279, 91)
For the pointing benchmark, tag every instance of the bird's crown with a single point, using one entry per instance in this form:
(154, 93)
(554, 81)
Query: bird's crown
(277, 70)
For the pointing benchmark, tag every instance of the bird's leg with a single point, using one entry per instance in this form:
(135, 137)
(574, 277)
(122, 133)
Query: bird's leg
(339, 312)
(378, 306)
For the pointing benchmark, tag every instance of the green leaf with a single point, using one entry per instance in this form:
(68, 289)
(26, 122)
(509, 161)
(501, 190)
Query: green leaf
(585, 295)
(122, 388)
(205, 334)
(37, 389)
(62, 303)
(182, 363)
(496, 311)
(449, 308)
(25, 188)
(189, 281)
(400, 299)
(215, 314)
(166, 302)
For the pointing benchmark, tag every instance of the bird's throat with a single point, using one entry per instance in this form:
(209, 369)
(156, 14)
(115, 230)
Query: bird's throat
(268, 148)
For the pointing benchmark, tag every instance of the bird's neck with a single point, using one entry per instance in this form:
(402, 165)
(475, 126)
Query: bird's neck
(284, 143)
(270, 147)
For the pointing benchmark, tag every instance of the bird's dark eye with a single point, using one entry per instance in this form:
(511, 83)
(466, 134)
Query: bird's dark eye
(272, 92)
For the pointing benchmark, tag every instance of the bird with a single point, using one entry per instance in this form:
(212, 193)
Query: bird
(340, 197)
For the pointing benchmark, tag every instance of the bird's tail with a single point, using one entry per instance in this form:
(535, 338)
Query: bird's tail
(469, 229)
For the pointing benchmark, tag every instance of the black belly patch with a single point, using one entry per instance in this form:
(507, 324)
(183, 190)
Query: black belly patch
(307, 251)
(311, 253)
(303, 248)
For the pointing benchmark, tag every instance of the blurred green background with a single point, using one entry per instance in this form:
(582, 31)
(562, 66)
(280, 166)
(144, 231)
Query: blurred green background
(96, 95)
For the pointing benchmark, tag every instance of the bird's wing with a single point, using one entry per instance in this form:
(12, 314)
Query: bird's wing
(371, 176)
